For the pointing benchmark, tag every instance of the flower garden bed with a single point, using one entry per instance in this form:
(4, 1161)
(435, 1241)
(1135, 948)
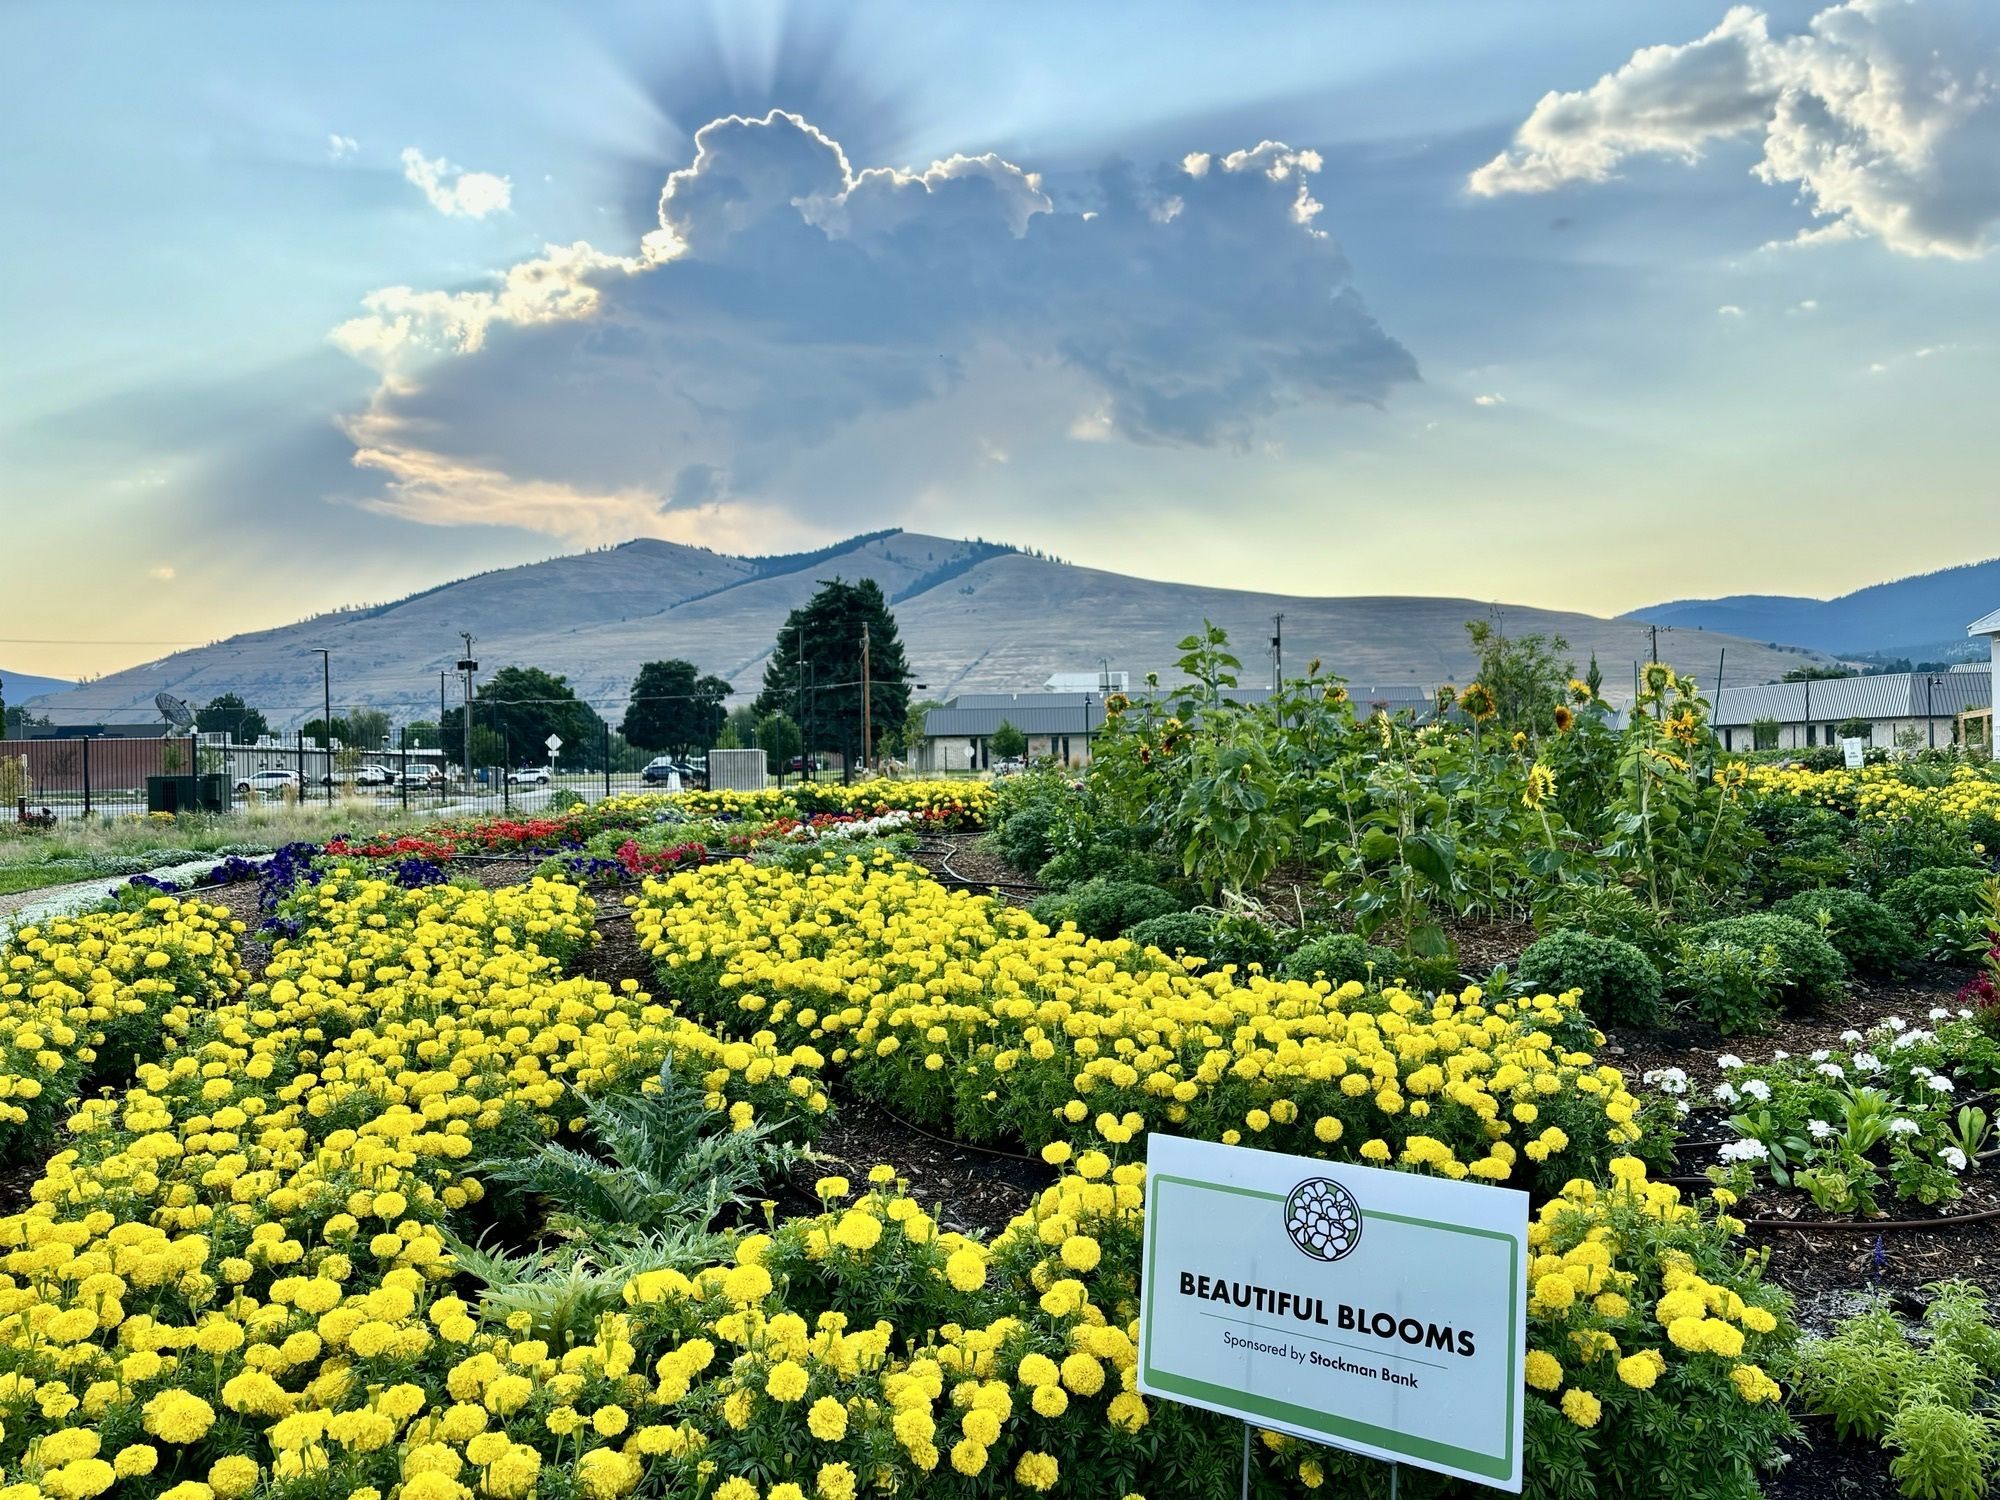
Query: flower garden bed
(283, 1245)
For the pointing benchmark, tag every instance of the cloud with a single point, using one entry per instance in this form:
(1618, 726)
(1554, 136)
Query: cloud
(1729, 310)
(339, 147)
(1884, 115)
(163, 573)
(1489, 398)
(453, 191)
(802, 336)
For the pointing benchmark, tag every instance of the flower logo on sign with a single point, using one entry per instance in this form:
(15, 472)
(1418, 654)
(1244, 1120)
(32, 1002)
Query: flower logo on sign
(1323, 1219)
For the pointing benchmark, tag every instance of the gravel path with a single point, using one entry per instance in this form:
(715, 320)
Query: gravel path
(24, 908)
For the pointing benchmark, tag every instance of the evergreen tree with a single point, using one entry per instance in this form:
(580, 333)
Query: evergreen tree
(814, 672)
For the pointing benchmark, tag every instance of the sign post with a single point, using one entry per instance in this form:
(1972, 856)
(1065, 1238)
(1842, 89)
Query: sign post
(1381, 1312)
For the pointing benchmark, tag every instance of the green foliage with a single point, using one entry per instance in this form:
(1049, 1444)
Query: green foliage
(1610, 911)
(1104, 908)
(673, 708)
(1729, 985)
(1007, 742)
(1925, 899)
(1887, 852)
(563, 798)
(1341, 957)
(1525, 674)
(226, 713)
(781, 742)
(1812, 967)
(520, 707)
(814, 672)
(1620, 985)
(1764, 733)
(1920, 1398)
(1029, 815)
(1220, 938)
(1867, 934)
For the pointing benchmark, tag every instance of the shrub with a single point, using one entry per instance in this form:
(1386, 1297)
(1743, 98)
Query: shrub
(1611, 911)
(1731, 986)
(1927, 898)
(1028, 817)
(1341, 957)
(1867, 934)
(1619, 983)
(1813, 967)
(1221, 938)
(1104, 908)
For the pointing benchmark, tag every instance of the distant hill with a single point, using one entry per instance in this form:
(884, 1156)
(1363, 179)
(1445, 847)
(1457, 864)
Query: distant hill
(18, 687)
(1913, 616)
(974, 616)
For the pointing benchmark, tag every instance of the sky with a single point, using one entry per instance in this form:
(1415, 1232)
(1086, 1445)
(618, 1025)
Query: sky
(1582, 306)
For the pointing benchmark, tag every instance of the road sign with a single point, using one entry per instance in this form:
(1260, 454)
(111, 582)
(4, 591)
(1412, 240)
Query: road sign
(554, 742)
(1381, 1312)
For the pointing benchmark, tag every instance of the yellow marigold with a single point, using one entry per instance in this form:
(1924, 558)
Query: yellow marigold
(1037, 1471)
(1581, 1407)
(1542, 1370)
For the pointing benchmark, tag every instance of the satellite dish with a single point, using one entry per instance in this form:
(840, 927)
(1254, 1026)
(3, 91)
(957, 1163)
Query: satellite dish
(176, 712)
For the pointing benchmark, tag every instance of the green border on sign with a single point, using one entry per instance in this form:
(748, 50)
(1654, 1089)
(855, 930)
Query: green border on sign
(1329, 1424)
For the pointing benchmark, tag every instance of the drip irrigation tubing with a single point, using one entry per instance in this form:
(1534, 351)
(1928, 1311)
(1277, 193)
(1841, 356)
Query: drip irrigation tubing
(945, 1140)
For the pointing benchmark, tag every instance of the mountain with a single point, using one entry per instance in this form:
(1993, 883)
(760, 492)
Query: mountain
(18, 687)
(974, 616)
(1914, 616)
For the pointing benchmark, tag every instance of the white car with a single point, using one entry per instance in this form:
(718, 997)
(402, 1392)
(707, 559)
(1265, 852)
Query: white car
(267, 781)
(530, 776)
(372, 775)
(423, 776)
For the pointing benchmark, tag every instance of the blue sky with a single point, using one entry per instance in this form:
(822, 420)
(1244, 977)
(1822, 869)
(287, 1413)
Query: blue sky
(1320, 298)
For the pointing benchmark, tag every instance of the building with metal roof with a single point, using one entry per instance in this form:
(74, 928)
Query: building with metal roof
(1988, 626)
(1906, 710)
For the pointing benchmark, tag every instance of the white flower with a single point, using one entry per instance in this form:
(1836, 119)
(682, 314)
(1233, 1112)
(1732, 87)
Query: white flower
(1667, 1080)
(1819, 1128)
(1952, 1157)
(1725, 1093)
(1744, 1151)
(1939, 1013)
(1939, 1082)
(1757, 1089)
(1894, 1023)
(1820, 1056)
(1964, 1014)
(1909, 1039)
(1901, 1126)
(1780, 1055)
(1831, 1070)
(1728, 1060)
(1850, 1037)
(1680, 1106)
(1867, 1062)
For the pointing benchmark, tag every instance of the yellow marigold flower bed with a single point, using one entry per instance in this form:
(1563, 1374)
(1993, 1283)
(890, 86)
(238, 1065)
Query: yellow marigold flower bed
(959, 803)
(92, 990)
(1882, 793)
(971, 1017)
(235, 1272)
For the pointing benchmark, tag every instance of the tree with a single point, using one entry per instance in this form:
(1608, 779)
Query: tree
(1855, 729)
(672, 709)
(1594, 678)
(229, 714)
(1526, 675)
(742, 723)
(1007, 742)
(422, 735)
(1818, 674)
(910, 736)
(367, 728)
(315, 732)
(522, 707)
(778, 738)
(1764, 733)
(815, 668)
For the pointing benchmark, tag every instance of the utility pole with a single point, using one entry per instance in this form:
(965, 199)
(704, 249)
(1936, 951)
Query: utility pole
(1808, 724)
(468, 666)
(867, 704)
(1278, 651)
(1930, 724)
(326, 711)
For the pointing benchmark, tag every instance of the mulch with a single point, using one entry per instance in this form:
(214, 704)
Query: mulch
(968, 1190)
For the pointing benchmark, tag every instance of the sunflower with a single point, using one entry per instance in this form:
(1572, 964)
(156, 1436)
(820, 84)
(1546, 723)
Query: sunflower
(1564, 718)
(1520, 739)
(1579, 691)
(1446, 697)
(1335, 695)
(1684, 726)
(1659, 677)
(1541, 785)
(1116, 704)
(1477, 700)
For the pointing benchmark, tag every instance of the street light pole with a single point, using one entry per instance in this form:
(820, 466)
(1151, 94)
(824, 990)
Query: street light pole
(468, 666)
(326, 712)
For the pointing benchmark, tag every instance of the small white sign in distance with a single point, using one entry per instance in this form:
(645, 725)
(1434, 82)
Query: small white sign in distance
(1381, 1312)
(1853, 751)
(554, 742)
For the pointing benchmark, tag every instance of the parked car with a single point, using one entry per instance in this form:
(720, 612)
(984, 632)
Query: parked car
(530, 776)
(803, 763)
(267, 781)
(660, 767)
(425, 776)
(373, 775)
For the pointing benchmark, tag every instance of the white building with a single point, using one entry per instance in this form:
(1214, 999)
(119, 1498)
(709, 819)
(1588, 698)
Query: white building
(1989, 626)
(1907, 710)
